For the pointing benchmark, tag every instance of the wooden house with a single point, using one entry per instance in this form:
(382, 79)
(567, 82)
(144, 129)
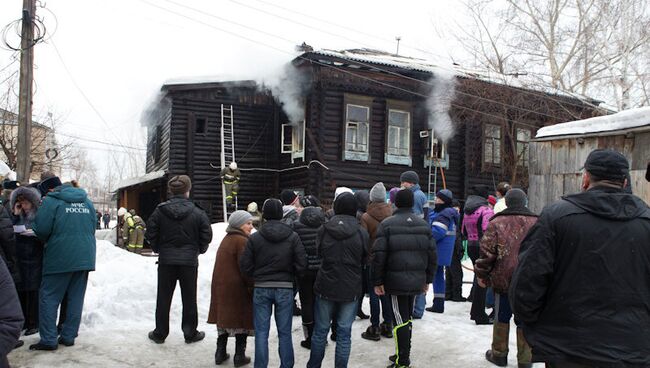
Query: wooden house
(558, 153)
(367, 118)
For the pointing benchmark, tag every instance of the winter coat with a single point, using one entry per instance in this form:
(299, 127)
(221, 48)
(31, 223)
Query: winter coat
(311, 221)
(419, 200)
(179, 231)
(289, 215)
(343, 246)
(231, 303)
(476, 219)
(11, 315)
(376, 213)
(107, 218)
(500, 246)
(274, 256)
(404, 254)
(443, 230)
(65, 222)
(8, 243)
(582, 287)
(500, 205)
(29, 249)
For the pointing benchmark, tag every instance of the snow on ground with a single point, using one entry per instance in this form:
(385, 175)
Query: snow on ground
(121, 301)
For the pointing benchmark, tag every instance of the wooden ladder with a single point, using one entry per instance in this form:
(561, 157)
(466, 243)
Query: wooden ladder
(227, 153)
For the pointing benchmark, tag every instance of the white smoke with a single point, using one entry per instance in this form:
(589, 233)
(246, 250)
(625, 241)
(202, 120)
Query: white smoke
(439, 103)
(289, 86)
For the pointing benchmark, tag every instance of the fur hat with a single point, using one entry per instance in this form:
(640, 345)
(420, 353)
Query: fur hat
(404, 198)
(288, 196)
(345, 204)
(272, 209)
(409, 177)
(516, 198)
(445, 195)
(238, 218)
(47, 184)
(378, 193)
(30, 194)
(179, 184)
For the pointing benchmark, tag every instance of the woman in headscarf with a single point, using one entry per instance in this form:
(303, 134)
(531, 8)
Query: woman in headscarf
(231, 304)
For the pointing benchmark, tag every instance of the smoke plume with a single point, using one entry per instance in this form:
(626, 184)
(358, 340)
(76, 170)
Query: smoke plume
(289, 87)
(439, 104)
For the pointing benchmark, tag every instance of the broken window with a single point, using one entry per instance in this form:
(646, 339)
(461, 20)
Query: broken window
(357, 130)
(157, 142)
(201, 125)
(293, 140)
(492, 144)
(523, 139)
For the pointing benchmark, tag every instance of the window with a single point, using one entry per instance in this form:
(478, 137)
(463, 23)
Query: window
(293, 140)
(436, 153)
(523, 137)
(201, 125)
(398, 141)
(356, 132)
(156, 142)
(492, 144)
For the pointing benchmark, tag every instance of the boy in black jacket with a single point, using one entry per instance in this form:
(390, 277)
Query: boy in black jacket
(404, 265)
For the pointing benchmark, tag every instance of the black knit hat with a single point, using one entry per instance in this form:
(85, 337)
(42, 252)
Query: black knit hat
(49, 183)
(607, 164)
(409, 177)
(445, 195)
(10, 184)
(404, 199)
(272, 209)
(287, 197)
(516, 198)
(345, 204)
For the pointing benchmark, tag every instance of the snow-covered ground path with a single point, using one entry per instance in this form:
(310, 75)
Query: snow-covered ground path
(119, 312)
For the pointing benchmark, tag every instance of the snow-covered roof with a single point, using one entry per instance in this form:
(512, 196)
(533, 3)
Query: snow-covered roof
(624, 120)
(387, 59)
(141, 179)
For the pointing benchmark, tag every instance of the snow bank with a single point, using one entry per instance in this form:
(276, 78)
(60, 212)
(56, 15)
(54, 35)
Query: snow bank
(627, 119)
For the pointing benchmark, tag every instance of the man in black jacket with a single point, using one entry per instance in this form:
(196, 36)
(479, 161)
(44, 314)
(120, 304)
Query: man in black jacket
(582, 287)
(404, 265)
(178, 231)
(273, 258)
(11, 316)
(343, 245)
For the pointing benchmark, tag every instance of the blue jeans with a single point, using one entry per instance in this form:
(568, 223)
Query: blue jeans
(324, 310)
(263, 301)
(418, 306)
(53, 288)
(375, 302)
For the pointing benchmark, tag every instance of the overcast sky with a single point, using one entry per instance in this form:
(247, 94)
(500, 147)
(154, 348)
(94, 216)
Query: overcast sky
(119, 52)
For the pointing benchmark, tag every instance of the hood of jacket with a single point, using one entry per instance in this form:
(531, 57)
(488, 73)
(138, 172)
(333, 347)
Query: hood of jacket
(473, 203)
(342, 226)
(610, 203)
(287, 209)
(31, 194)
(379, 210)
(275, 231)
(415, 188)
(68, 193)
(312, 216)
(177, 208)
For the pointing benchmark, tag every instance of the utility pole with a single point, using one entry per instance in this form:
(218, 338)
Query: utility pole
(24, 159)
(398, 39)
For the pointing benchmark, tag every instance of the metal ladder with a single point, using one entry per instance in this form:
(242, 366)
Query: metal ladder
(227, 152)
(433, 174)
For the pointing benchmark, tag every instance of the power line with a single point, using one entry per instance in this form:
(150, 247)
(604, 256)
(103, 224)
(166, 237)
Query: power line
(100, 142)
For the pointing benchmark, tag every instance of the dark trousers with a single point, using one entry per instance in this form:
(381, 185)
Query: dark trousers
(454, 275)
(477, 312)
(29, 305)
(168, 275)
(402, 306)
(306, 288)
(569, 365)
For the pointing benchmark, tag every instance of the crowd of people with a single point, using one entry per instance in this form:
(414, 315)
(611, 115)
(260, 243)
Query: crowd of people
(575, 277)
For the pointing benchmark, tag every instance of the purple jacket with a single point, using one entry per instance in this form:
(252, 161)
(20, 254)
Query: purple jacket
(476, 219)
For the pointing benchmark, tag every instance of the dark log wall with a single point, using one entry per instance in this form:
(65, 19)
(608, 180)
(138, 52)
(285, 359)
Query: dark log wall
(164, 122)
(192, 152)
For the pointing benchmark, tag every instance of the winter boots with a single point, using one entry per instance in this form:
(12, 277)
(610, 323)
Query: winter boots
(438, 305)
(386, 329)
(372, 333)
(220, 355)
(308, 331)
(498, 355)
(240, 358)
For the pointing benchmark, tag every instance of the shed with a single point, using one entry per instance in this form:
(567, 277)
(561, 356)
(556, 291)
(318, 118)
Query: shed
(558, 153)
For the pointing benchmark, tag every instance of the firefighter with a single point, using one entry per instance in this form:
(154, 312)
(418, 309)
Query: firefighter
(230, 177)
(133, 233)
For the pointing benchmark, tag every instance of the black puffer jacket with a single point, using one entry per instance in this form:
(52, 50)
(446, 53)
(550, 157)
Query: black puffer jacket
(11, 316)
(311, 221)
(404, 254)
(343, 245)
(8, 243)
(274, 256)
(582, 287)
(178, 231)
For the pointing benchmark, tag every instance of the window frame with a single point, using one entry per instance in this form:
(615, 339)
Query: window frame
(297, 145)
(197, 119)
(523, 162)
(397, 159)
(362, 102)
(484, 137)
(443, 158)
(157, 144)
